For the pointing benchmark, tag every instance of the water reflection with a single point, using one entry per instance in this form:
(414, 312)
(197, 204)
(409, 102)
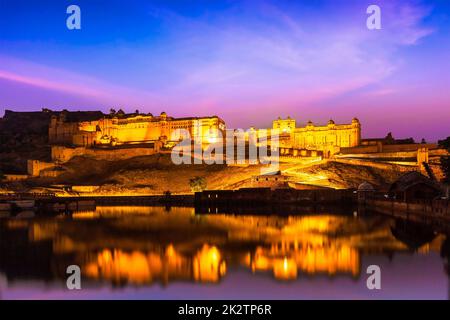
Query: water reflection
(138, 267)
(140, 246)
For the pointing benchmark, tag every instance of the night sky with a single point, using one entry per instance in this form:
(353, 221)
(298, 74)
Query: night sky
(246, 61)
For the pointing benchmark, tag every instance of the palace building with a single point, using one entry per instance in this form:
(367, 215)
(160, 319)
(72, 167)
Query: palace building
(96, 129)
(328, 139)
(122, 129)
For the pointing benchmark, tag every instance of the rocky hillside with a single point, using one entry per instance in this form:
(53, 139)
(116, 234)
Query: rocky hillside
(157, 174)
(23, 135)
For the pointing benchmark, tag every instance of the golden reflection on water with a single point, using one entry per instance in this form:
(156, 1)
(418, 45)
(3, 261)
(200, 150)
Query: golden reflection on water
(121, 211)
(139, 268)
(310, 260)
(143, 245)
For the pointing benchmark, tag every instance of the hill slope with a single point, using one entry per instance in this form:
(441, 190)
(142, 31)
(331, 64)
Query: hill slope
(157, 174)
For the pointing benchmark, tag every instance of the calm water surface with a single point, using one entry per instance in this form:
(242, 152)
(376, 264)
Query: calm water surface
(155, 253)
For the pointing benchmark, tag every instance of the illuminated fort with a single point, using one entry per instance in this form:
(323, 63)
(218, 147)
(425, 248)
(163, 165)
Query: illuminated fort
(124, 129)
(120, 135)
(120, 128)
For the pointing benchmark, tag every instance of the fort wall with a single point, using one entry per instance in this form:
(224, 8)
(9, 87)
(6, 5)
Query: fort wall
(15, 177)
(381, 155)
(299, 159)
(378, 165)
(34, 167)
(387, 148)
(64, 154)
(407, 147)
(250, 196)
(435, 211)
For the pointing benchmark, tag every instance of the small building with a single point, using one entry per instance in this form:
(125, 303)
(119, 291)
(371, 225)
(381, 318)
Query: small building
(34, 167)
(365, 191)
(414, 186)
(273, 180)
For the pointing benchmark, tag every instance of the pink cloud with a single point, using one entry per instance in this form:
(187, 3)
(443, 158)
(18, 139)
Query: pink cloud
(48, 84)
(59, 80)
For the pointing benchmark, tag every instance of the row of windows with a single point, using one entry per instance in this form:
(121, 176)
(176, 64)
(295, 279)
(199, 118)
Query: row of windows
(266, 179)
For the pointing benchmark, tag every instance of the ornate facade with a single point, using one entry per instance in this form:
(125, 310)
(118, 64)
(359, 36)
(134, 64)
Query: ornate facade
(127, 129)
(120, 129)
(325, 137)
(328, 139)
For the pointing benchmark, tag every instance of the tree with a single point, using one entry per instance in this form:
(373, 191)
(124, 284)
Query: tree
(445, 143)
(389, 139)
(197, 184)
(445, 165)
(167, 195)
(445, 160)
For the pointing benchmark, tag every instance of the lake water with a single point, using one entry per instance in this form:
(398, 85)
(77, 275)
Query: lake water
(156, 253)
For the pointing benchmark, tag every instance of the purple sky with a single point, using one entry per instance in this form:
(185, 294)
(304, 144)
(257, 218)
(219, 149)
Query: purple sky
(246, 61)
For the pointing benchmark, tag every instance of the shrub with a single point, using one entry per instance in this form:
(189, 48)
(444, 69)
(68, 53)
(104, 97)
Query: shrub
(197, 184)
